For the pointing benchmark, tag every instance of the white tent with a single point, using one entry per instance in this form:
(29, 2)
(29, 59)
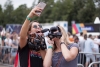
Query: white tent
(97, 21)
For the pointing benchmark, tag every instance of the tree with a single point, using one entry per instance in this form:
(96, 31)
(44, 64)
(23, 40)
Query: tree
(97, 13)
(8, 12)
(87, 13)
(1, 16)
(20, 14)
(77, 5)
(45, 16)
(56, 11)
(33, 4)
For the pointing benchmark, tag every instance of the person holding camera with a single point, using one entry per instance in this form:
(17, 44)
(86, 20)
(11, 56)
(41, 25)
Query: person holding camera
(26, 57)
(60, 52)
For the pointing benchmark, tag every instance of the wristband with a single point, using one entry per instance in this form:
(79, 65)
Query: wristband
(50, 47)
(28, 18)
(62, 43)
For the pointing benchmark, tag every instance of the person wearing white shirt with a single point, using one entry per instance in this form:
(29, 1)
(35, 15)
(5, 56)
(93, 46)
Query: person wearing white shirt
(81, 42)
(96, 47)
(89, 48)
(8, 43)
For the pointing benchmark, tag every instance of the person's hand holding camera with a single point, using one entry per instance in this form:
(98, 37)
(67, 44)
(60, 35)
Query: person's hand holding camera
(51, 42)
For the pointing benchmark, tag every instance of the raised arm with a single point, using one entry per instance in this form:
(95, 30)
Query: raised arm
(25, 27)
(69, 54)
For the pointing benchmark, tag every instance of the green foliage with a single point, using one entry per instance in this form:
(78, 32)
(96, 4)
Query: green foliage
(97, 12)
(8, 12)
(1, 15)
(56, 10)
(77, 5)
(46, 14)
(87, 13)
(20, 14)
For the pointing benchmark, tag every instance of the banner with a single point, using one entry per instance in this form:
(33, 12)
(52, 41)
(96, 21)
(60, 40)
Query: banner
(92, 27)
(77, 28)
(13, 27)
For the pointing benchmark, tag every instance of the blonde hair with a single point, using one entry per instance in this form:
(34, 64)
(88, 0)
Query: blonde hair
(15, 36)
(64, 33)
(7, 34)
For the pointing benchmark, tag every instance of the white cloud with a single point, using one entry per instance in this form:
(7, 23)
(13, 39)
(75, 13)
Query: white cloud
(16, 3)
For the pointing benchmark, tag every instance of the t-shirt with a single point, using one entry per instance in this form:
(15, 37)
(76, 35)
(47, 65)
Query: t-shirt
(9, 41)
(35, 58)
(63, 63)
(96, 46)
(81, 43)
(89, 45)
(3, 37)
(15, 43)
(81, 38)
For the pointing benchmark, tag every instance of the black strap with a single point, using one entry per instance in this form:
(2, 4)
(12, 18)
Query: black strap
(57, 65)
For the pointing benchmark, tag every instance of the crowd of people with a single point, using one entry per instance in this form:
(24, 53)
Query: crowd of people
(8, 47)
(88, 44)
(89, 47)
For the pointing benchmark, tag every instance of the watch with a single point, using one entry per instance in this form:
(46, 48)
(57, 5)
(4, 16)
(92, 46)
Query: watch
(62, 43)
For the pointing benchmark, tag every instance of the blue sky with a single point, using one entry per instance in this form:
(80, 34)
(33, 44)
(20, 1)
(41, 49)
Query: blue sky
(16, 3)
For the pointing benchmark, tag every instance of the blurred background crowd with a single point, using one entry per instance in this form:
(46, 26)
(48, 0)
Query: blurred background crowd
(88, 44)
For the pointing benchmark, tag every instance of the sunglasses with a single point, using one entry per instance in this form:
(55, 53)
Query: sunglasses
(36, 26)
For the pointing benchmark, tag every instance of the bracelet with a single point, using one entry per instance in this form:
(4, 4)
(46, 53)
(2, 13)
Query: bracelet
(28, 18)
(50, 47)
(62, 43)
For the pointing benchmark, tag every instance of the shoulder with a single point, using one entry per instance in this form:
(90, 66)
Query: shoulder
(74, 45)
(24, 49)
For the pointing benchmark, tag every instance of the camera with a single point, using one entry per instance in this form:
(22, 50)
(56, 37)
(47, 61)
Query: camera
(36, 42)
(52, 32)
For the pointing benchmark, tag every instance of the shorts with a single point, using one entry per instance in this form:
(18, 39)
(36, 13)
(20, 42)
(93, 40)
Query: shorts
(13, 53)
(97, 55)
(90, 56)
(7, 50)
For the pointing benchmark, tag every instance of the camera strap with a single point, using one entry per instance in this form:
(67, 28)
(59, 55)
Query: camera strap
(17, 60)
(58, 63)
